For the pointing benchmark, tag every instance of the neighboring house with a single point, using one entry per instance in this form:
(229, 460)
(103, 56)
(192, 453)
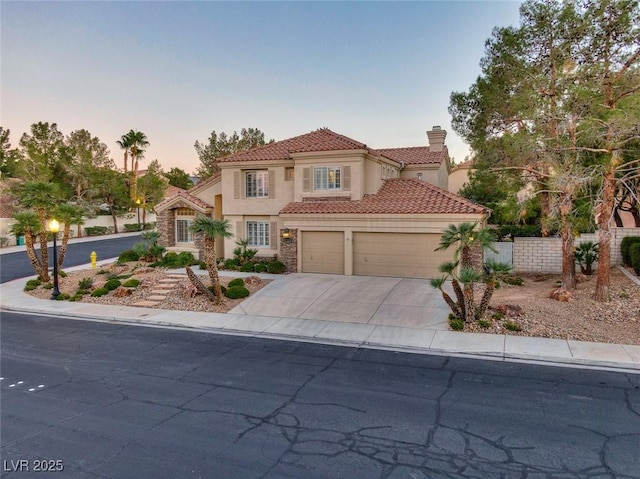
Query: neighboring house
(459, 176)
(324, 203)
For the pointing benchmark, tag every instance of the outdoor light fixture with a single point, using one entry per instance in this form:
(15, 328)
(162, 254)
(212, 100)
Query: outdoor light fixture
(286, 234)
(54, 227)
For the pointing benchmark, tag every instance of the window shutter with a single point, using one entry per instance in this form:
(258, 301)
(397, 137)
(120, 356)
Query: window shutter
(239, 232)
(273, 235)
(272, 184)
(346, 178)
(306, 180)
(236, 185)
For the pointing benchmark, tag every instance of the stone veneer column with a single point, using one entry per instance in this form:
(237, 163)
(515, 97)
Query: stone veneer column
(166, 224)
(289, 251)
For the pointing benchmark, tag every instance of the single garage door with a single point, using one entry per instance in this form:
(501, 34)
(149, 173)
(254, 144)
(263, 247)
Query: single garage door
(323, 252)
(409, 255)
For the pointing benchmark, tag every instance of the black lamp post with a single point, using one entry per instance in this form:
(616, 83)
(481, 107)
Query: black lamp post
(54, 227)
(138, 205)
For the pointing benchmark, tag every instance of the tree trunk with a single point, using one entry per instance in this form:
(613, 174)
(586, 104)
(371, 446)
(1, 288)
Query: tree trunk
(602, 292)
(64, 244)
(486, 297)
(460, 295)
(452, 304)
(568, 258)
(198, 284)
(44, 251)
(469, 313)
(126, 161)
(33, 257)
(212, 267)
(115, 220)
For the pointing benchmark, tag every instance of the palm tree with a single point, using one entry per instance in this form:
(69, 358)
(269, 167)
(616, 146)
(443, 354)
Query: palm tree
(67, 214)
(28, 225)
(493, 271)
(466, 235)
(138, 142)
(210, 229)
(125, 144)
(43, 197)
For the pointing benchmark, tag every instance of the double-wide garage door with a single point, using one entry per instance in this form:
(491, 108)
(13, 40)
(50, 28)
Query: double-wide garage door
(409, 255)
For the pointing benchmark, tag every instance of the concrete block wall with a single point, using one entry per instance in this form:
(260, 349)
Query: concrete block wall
(544, 255)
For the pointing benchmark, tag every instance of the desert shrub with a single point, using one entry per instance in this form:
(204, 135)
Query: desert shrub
(512, 326)
(129, 255)
(456, 324)
(248, 267)
(237, 292)
(202, 265)
(102, 271)
(112, 284)
(32, 284)
(131, 227)
(62, 274)
(586, 254)
(513, 280)
(132, 283)
(82, 292)
(625, 248)
(236, 282)
(47, 286)
(483, 323)
(243, 253)
(261, 267)
(498, 315)
(76, 297)
(231, 263)
(222, 288)
(85, 283)
(275, 267)
(63, 297)
(100, 292)
(634, 254)
(96, 230)
(185, 258)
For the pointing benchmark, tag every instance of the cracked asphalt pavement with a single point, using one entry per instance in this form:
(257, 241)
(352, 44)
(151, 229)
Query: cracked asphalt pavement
(119, 401)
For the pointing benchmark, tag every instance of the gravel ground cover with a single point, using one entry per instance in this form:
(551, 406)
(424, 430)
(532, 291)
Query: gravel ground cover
(580, 318)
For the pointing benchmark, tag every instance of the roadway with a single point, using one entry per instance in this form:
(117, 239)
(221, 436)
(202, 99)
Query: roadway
(119, 401)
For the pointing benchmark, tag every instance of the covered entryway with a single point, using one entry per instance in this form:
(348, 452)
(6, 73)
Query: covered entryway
(409, 255)
(323, 252)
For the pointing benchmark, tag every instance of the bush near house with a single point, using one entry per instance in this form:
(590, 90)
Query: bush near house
(625, 248)
(96, 230)
(275, 267)
(237, 292)
(236, 282)
(634, 253)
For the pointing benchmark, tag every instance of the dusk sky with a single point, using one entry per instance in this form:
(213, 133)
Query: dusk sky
(378, 72)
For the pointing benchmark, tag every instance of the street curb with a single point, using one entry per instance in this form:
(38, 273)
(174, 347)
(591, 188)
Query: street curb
(488, 355)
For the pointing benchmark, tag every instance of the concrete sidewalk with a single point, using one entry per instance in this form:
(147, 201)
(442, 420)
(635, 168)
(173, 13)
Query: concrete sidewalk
(425, 340)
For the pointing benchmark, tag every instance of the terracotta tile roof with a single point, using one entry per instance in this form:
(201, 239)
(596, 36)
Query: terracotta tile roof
(396, 196)
(415, 155)
(172, 191)
(189, 199)
(318, 140)
(204, 183)
(464, 165)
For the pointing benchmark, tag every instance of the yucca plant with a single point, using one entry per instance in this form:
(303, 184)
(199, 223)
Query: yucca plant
(586, 255)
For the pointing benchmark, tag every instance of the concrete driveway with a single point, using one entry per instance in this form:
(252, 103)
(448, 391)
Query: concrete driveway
(410, 303)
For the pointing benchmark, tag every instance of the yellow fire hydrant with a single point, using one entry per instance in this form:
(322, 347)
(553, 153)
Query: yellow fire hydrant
(94, 259)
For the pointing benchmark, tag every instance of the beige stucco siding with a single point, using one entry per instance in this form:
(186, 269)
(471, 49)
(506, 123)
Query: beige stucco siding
(430, 175)
(209, 192)
(458, 178)
(254, 206)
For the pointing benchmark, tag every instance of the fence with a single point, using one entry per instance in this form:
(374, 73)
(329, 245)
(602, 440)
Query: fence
(544, 255)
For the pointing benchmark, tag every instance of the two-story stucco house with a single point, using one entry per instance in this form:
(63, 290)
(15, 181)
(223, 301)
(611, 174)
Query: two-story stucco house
(324, 203)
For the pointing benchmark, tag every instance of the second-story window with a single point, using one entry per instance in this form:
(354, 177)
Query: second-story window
(326, 178)
(257, 184)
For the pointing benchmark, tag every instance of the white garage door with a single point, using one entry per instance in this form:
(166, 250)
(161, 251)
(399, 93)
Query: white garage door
(323, 252)
(409, 255)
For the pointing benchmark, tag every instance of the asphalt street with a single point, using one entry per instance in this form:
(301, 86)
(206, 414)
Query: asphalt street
(104, 400)
(17, 265)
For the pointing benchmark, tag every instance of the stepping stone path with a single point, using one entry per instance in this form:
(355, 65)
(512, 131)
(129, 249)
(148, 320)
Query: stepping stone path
(159, 294)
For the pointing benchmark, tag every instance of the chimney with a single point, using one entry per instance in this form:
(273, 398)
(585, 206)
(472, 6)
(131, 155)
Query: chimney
(436, 138)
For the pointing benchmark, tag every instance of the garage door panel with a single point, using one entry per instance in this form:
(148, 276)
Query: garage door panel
(323, 252)
(398, 254)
